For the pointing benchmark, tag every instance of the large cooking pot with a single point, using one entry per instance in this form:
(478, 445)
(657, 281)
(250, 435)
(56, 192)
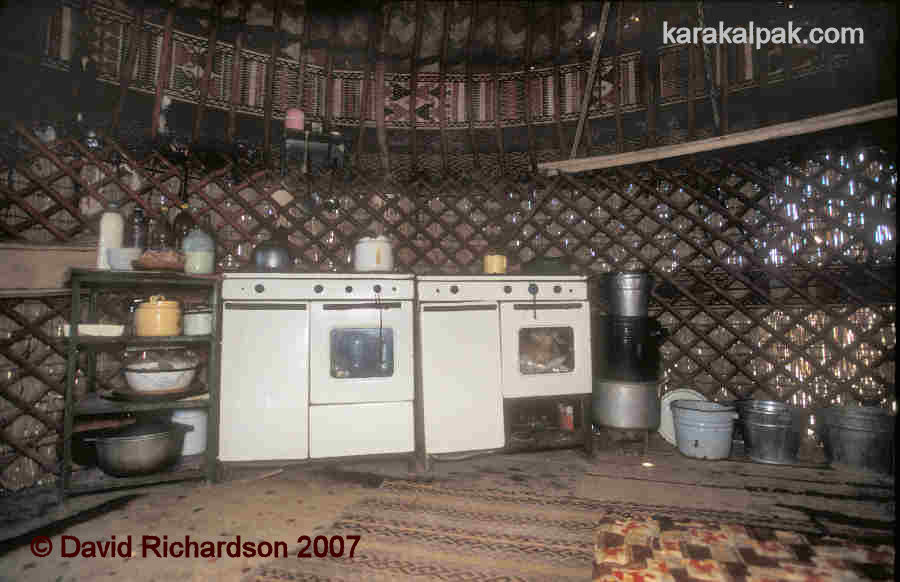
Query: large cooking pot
(626, 405)
(157, 317)
(273, 254)
(140, 448)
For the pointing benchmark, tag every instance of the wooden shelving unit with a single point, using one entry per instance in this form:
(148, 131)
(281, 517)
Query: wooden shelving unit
(90, 283)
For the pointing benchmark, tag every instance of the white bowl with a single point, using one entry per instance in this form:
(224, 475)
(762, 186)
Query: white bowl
(159, 381)
(120, 259)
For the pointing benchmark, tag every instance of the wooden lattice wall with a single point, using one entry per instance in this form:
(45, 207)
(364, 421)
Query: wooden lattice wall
(774, 278)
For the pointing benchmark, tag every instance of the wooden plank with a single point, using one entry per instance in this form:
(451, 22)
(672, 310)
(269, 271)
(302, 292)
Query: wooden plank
(162, 80)
(650, 51)
(236, 73)
(856, 115)
(200, 109)
(329, 79)
(470, 108)
(127, 73)
(414, 85)
(270, 85)
(592, 76)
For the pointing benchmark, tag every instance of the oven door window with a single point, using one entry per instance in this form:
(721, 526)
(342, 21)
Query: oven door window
(362, 353)
(546, 350)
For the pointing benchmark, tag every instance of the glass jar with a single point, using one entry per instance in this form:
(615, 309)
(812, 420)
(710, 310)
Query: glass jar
(199, 253)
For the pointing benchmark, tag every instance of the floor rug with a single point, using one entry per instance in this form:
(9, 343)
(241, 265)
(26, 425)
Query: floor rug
(454, 531)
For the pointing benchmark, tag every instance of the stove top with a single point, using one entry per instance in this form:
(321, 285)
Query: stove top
(329, 275)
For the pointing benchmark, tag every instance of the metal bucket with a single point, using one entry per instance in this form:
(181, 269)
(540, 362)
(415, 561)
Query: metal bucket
(772, 430)
(703, 430)
(858, 437)
(629, 294)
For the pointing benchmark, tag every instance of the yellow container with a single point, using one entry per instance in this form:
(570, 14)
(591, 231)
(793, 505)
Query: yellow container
(157, 317)
(495, 264)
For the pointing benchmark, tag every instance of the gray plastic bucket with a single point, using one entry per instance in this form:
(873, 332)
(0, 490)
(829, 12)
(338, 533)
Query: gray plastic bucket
(772, 430)
(703, 430)
(859, 437)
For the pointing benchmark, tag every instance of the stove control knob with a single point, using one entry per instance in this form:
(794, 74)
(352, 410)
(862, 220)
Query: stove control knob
(557, 289)
(348, 289)
(507, 289)
(377, 288)
(532, 288)
(318, 288)
(454, 289)
(259, 288)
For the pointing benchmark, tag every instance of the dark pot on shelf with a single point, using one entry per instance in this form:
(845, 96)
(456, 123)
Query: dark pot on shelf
(272, 255)
(140, 448)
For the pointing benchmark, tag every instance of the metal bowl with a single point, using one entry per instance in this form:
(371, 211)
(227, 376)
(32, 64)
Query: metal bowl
(140, 449)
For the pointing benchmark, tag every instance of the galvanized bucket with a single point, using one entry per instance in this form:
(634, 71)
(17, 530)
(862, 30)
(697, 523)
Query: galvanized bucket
(772, 430)
(703, 430)
(860, 437)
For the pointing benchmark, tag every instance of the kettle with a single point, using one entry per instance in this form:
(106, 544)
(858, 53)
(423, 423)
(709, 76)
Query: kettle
(273, 254)
(373, 254)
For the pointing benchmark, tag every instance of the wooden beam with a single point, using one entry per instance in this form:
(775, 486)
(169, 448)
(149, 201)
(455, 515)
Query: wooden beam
(270, 85)
(236, 72)
(414, 85)
(127, 73)
(200, 109)
(529, 40)
(650, 60)
(470, 108)
(442, 98)
(857, 115)
(366, 90)
(162, 80)
(557, 78)
(592, 77)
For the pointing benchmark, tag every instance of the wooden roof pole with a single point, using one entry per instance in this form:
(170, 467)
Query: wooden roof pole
(270, 84)
(529, 39)
(470, 106)
(557, 79)
(165, 62)
(498, 98)
(127, 73)
(200, 110)
(592, 75)
(442, 98)
(380, 129)
(231, 130)
(414, 85)
(366, 90)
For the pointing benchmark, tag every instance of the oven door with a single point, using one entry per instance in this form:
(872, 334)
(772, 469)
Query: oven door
(361, 352)
(546, 348)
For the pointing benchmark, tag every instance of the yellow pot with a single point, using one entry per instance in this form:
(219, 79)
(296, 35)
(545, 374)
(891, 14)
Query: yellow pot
(156, 317)
(495, 264)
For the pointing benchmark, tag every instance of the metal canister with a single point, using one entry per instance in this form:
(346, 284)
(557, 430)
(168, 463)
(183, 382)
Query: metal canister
(157, 317)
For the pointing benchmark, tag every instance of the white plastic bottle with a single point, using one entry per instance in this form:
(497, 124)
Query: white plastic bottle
(112, 231)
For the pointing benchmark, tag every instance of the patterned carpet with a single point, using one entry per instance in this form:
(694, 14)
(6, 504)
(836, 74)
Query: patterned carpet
(459, 531)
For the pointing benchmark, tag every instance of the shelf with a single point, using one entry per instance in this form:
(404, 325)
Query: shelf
(93, 479)
(173, 340)
(103, 277)
(96, 404)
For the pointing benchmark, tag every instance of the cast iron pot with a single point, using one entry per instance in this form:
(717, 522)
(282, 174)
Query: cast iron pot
(140, 449)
